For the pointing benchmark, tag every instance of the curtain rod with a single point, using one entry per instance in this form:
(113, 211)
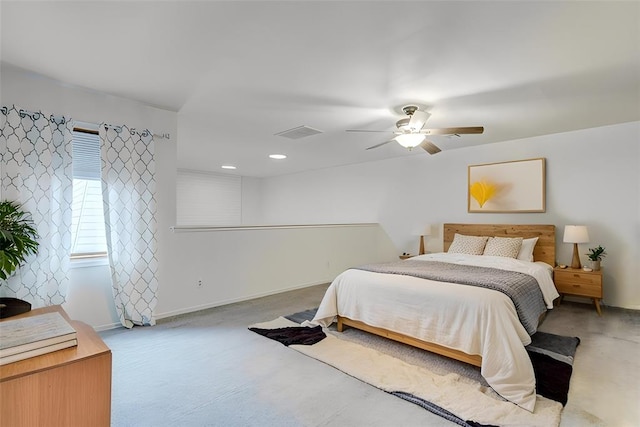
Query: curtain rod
(35, 115)
(144, 132)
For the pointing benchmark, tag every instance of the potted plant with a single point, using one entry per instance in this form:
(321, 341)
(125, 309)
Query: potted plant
(596, 255)
(17, 241)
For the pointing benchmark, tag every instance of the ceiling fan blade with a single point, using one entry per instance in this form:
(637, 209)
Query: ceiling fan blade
(418, 119)
(381, 144)
(454, 131)
(430, 147)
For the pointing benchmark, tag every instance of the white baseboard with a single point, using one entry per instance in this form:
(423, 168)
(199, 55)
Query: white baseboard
(160, 316)
(603, 303)
(192, 309)
(108, 327)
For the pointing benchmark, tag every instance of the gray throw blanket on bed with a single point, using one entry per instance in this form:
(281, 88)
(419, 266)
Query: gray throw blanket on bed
(523, 289)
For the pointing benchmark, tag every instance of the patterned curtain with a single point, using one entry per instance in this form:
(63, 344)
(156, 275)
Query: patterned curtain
(128, 191)
(36, 172)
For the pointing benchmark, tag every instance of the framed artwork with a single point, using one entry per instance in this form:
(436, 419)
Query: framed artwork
(516, 186)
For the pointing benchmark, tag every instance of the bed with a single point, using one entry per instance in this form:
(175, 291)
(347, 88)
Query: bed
(468, 323)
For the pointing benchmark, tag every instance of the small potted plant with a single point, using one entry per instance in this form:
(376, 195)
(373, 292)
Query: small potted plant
(596, 255)
(17, 241)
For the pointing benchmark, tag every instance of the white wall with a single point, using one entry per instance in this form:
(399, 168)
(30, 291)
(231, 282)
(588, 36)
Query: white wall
(251, 201)
(233, 265)
(89, 287)
(240, 264)
(593, 178)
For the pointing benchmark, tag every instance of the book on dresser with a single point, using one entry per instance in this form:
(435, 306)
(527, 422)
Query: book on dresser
(33, 336)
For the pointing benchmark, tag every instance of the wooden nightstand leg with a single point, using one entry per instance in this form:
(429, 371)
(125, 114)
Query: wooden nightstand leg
(596, 301)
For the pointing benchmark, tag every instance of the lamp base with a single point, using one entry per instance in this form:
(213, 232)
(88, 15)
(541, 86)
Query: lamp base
(575, 262)
(421, 246)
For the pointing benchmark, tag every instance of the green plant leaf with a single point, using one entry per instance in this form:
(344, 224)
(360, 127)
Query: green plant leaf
(596, 254)
(18, 237)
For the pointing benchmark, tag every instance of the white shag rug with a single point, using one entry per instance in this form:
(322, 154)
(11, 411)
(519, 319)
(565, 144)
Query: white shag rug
(468, 400)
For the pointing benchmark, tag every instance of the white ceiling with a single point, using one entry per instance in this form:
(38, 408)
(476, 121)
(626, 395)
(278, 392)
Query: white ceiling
(239, 72)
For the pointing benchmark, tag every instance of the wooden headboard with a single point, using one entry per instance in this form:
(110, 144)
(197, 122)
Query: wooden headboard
(545, 249)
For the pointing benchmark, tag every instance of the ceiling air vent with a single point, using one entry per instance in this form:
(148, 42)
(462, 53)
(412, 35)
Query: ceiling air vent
(299, 132)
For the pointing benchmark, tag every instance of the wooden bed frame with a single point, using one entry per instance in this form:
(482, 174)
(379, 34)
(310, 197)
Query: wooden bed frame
(545, 250)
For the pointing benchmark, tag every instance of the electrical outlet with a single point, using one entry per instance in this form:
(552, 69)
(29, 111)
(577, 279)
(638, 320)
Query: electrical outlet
(199, 283)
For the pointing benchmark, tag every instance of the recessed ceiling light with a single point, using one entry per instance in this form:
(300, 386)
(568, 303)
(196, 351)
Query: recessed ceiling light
(228, 167)
(277, 156)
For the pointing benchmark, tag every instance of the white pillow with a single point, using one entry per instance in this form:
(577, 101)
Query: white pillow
(503, 246)
(526, 250)
(470, 245)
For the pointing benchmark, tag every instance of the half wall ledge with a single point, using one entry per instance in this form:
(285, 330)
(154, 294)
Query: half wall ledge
(203, 228)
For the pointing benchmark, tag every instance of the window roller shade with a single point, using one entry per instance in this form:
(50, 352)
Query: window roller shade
(86, 155)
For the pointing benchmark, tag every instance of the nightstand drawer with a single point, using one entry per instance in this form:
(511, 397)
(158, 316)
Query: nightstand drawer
(577, 288)
(571, 277)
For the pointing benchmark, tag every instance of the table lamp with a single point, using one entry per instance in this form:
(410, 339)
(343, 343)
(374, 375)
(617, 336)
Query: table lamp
(575, 234)
(426, 232)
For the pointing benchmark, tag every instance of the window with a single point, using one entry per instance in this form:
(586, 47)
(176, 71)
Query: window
(208, 199)
(87, 226)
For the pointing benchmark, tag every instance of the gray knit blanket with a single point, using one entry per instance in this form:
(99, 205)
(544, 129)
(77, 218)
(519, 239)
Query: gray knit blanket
(523, 289)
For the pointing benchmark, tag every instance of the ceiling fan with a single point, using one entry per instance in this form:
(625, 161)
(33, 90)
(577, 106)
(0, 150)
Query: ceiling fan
(411, 132)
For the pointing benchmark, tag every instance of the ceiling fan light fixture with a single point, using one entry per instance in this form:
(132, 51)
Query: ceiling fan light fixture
(403, 125)
(410, 140)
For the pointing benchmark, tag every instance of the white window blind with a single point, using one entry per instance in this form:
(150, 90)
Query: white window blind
(87, 223)
(86, 155)
(208, 199)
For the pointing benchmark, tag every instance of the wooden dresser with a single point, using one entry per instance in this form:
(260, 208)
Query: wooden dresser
(70, 387)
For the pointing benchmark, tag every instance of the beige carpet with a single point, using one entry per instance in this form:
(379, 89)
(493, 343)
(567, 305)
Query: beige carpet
(466, 398)
(206, 369)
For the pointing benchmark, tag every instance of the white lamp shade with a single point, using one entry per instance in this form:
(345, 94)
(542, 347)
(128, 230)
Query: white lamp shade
(576, 234)
(427, 230)
(410, 140)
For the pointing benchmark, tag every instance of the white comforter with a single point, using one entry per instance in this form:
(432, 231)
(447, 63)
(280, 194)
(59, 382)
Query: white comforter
(466, 318)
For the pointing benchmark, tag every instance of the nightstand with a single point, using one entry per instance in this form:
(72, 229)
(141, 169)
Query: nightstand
(571, 281)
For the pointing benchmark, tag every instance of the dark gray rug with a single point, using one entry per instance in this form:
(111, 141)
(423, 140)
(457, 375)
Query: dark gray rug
(302, 316)
(552, 359)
